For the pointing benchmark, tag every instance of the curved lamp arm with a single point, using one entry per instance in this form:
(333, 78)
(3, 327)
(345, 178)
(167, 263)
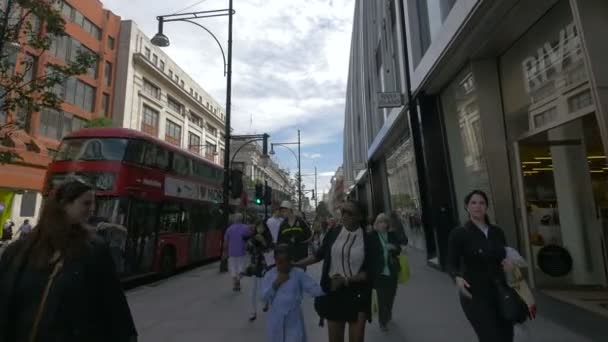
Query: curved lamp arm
(214, 37)
(287, 147)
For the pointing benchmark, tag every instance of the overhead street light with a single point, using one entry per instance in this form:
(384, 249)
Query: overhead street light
(160, 39)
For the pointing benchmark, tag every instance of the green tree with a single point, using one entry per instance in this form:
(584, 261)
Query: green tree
(99, 122)
(35, 24)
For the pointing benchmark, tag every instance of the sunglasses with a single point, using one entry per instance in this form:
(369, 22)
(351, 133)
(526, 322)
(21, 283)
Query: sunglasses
(348, 212)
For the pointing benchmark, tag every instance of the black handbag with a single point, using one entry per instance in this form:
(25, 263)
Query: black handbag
(511, 306)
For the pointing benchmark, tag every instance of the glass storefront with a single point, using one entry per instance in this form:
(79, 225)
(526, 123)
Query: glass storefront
(556, 152)
(402, 176)
(465, 143)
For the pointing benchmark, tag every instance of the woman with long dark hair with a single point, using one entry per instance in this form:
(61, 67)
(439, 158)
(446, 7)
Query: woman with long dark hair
(60, 284)
(346, 258)
(476, 260)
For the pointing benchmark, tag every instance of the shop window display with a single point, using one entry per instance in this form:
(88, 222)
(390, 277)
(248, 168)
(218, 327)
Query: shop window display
(464, 134)
(557, 155)
(406, 214)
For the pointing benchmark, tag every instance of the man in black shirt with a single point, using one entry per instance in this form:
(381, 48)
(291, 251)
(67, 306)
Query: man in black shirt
(294, 232)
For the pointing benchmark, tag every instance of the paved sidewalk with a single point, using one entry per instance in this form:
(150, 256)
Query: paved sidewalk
(200, 306)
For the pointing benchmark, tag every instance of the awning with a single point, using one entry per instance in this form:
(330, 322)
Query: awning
(360, 176)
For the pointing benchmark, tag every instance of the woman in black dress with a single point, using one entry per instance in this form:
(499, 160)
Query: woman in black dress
(345, 254)
(476, 260)
(59, 283)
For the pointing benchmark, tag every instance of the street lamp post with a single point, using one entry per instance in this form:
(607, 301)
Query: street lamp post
(298, 158)
(163, 41)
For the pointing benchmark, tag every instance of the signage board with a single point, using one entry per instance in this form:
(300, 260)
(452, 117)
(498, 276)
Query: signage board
(390, 100)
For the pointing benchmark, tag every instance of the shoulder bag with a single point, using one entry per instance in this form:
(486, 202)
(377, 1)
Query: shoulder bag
(58, 265)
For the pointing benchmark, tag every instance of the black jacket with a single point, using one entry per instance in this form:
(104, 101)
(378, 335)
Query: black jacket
(476, 258)
(296, 236)
(86, 301)
(324, 253)
(377, 260)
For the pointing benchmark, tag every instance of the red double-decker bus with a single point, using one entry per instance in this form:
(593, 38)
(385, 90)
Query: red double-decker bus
(168, 199)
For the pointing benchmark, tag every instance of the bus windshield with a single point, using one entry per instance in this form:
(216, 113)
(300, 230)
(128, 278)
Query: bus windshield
(92, 149)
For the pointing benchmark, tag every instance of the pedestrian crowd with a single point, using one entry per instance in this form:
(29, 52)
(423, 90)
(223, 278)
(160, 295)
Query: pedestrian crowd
(363, 263)
(360, 267)
(58, 280)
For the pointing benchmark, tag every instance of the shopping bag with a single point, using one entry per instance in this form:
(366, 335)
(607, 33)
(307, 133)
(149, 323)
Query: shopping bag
(374, 302)
(404, 269)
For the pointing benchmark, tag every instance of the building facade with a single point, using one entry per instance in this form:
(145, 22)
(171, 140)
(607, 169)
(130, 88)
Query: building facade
(380, 167)
(90, 28)
(504, 96)
(258, 169)
(336, 194)
(159, 98)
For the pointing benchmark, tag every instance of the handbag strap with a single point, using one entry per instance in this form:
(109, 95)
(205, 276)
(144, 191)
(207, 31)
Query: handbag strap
(58, 261)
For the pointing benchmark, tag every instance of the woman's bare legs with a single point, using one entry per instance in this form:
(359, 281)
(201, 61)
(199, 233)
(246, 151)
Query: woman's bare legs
(356, 330)
(336, 331)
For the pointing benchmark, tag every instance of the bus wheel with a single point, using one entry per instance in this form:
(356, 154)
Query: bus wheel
(167, 262)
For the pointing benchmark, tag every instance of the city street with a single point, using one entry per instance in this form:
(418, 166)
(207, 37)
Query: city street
(199, 306)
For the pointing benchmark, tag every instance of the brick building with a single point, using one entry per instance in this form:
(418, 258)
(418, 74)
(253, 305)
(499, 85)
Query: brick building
(91, 28)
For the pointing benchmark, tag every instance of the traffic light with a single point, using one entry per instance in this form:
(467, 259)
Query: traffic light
(265, 144)
(259, 194)
(268, 195)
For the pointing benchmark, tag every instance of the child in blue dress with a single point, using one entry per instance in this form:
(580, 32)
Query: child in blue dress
(284, 287)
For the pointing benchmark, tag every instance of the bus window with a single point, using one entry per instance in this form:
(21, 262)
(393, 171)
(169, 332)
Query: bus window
(173, 219)
(162, 158)
(135, 151)
(92, 149)
(111, 209)
(181, 165)
(199, 169)
(141, 240)
(155, 156)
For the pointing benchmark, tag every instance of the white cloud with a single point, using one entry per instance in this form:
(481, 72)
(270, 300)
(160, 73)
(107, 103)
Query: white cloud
(290, 62)
(311, 155)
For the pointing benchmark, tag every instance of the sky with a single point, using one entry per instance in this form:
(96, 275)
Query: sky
(290, 67)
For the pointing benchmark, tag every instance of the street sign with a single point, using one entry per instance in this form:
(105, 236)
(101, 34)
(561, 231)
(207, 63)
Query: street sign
(390, 100)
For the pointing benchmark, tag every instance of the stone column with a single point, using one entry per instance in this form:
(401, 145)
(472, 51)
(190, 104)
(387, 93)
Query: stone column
(579, 225)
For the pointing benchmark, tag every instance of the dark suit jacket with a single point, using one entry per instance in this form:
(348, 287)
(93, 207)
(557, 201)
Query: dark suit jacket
(377, 260)
(86, 301)
(476, 258)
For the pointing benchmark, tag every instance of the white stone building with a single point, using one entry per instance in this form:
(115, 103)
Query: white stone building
(156, 96)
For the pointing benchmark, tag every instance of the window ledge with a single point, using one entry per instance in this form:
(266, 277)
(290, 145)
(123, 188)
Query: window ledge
(150, 98)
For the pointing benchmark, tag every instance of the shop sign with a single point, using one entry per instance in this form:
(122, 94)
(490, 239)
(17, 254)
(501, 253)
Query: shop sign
(551, 58)
(390, 100)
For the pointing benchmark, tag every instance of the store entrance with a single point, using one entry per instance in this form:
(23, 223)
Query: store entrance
(564, 189)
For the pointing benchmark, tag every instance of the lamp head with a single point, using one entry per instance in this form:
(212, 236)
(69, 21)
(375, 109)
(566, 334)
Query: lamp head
(160, 39)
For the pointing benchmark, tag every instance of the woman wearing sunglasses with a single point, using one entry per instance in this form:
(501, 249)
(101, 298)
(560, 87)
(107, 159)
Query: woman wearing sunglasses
(344, 279)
